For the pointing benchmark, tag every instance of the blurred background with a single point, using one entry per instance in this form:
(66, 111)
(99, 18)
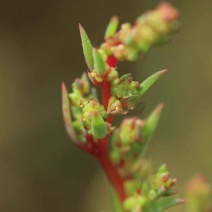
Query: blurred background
(41, 170)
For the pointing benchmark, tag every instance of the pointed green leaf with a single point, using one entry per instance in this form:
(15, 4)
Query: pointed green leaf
(99, 63)
(87, 48)
(146, 84)
(66, 114)
(169, 193)
(98, 126)
(116, 204)
(112, 27)
(125, 77)
(152, 121)
(166, 203)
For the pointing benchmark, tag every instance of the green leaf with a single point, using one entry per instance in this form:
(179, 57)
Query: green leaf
(99, 63)
(66, 114)
(166, 203)
(152, 121)
(112, 27)
(125, 77)
(146, 84)
(98, 126)
(169, 193)
(116, 204)
(87, 48)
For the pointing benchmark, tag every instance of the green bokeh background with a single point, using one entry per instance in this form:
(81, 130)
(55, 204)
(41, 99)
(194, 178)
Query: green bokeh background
(41, 170)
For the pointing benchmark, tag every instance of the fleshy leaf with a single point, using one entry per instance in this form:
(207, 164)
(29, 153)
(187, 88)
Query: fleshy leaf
(66, 114)
(146, 84)
(166, 203)
(169, 193)
(152, 121)
(98, 126)
(112, 27)
(87, 48)
(99, 63)
(116, 204)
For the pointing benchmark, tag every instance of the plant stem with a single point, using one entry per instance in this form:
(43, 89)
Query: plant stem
(110, 170)
(104, 159)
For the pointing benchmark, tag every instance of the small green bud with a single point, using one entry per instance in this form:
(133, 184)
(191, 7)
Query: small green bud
(129, 203)
(98, 126)
(142, 201)
(119, 51)
(131, 131)
(87, 48)
(199, 193)
(75, 97)
(113, 74)
(112, 27)
(130, 187)
(115, 156)
(152, 194)
(114, 106)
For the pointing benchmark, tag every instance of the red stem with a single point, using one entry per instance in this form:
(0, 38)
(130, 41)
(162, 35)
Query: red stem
(106, 93)
(100, 149)
(110, 170)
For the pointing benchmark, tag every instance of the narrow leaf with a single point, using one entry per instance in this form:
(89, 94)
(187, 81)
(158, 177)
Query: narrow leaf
(164, 204)
(169, 193)
(98, 126)
(116, 204)
(99, 63)
(152, 121)
(125, 77)
(146, 84)
(87, 48)
(66, 114)
(112, 27)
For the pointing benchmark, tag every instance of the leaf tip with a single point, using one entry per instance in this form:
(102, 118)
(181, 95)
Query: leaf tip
(63, 86)
(159, 108)
(163, 71)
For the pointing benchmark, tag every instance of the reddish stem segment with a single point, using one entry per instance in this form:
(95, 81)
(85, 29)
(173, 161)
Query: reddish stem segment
(106, 93)
(104, 158)
(110, 170)
(100, 149)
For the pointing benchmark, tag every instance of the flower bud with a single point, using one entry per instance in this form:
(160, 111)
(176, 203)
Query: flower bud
(130, 131)
(93, 118)
(199, 194)
(114, 106)
(112, 75)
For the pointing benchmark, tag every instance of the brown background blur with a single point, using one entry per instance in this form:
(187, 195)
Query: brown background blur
(41, 170)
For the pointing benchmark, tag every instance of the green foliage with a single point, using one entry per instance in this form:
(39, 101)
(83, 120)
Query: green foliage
(120, 149)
